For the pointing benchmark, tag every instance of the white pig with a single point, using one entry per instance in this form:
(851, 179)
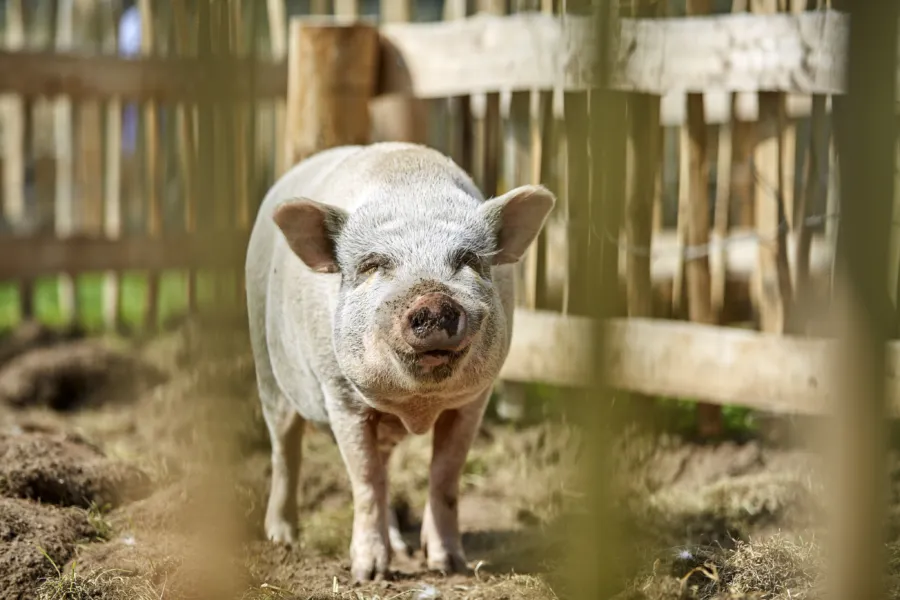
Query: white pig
(380, 300)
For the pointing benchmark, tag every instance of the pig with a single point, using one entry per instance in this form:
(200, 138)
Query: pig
(380, 302)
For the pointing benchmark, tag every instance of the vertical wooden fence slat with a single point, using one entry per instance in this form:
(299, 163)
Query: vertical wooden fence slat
(63, 204)
(548, 173)
(517, 169)
(43, 112)
(812, 197)
(206, 202)
(682, 220)
(718, 258)
(186, 30)
(646, 137)
(278, 41)
(460, 107)
(112, 213)
(242, 112)
(151, 180)
(398, 117)
(607, 140)
(772, 288)
(709, 416)
(14, 144)
(771, 223)
(89, 145)
(579, 238)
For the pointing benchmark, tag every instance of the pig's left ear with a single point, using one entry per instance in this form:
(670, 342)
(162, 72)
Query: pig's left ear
(517, 216)
(311, 229)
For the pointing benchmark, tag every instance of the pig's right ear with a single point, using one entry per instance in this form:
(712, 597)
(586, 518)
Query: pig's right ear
(311, 229)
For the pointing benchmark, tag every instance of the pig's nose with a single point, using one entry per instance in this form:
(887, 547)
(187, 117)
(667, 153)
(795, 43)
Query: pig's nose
(434, 322)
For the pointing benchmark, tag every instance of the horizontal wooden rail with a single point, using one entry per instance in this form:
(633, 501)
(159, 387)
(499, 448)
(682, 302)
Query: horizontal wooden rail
(26, 257)
(685, 360)
(22, 256)
(169, 79)
(741, 253)
(801, 54)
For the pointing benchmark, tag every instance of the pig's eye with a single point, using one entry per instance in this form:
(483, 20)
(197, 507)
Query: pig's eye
(372, 264)
(468, 259)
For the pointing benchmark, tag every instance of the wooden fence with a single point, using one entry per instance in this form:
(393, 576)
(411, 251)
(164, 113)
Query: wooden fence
(733, 224)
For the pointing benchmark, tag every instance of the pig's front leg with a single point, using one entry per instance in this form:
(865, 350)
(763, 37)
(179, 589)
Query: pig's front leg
(356, 435)
(453, 435)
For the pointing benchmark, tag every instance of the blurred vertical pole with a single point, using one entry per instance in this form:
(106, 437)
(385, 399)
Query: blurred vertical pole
(856, 446)
(598, 553)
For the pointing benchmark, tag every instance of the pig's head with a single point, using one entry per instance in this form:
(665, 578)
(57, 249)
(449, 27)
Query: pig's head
(418, 313)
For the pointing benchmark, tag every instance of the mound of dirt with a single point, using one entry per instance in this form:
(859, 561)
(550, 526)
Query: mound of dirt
(65, 470)
(36, 541)
(74, 374)
(32, 335)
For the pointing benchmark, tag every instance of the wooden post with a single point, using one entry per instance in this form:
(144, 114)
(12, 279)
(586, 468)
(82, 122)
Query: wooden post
(331, 77)
(709, 416)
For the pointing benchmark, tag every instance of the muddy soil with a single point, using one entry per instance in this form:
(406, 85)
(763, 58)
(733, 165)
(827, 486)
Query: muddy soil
(141, 472)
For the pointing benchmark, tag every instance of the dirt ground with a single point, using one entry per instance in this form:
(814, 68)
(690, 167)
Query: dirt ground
(140, 471)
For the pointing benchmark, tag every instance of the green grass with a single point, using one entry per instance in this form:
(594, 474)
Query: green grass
(171, 301)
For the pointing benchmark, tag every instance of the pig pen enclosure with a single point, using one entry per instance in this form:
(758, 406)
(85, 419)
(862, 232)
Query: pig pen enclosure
(138, 140)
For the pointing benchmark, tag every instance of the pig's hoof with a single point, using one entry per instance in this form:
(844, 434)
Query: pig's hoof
(281, 532)
(369, 563)
(446, 562)
(364, 571)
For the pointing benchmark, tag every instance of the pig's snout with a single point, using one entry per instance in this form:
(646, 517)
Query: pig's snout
(434, 322)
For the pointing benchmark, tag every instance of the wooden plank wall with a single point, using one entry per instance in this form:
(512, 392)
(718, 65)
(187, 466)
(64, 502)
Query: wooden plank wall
(120, 169)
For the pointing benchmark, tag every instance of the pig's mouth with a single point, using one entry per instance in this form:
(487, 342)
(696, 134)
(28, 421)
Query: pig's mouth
(432, 364)
(437, 358)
